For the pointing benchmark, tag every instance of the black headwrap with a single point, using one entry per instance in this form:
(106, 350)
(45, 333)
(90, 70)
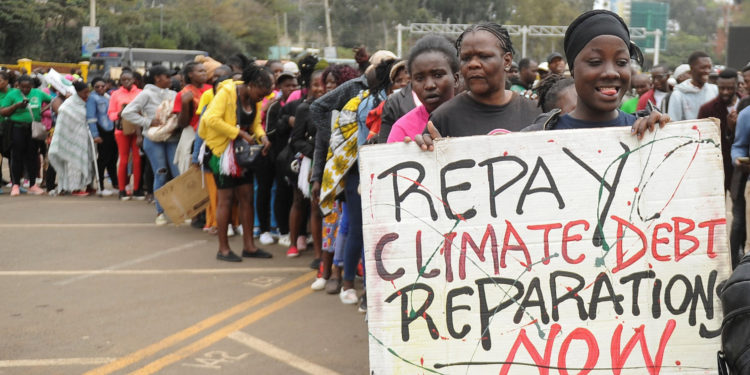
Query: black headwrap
(594, 23)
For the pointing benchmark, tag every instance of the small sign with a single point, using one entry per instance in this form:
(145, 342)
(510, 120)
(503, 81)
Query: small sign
(89, 40)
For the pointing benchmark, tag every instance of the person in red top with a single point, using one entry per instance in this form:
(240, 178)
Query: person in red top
(126, 143)
(195, 76)
(660, 89)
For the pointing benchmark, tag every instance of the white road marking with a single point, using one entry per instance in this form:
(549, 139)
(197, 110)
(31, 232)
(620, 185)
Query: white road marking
(135, 261)
(190, 271)
(280, 354)
(72, 226)
(54, 362)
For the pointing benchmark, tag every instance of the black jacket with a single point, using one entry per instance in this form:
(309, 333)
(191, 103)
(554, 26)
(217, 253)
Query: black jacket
(396, 105)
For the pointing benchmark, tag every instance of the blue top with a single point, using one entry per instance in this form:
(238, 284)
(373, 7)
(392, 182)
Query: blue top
(568, 122)
(96, 114)
(741, 145)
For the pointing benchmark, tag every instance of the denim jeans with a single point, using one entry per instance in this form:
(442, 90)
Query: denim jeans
(161, 157)
(353, 249)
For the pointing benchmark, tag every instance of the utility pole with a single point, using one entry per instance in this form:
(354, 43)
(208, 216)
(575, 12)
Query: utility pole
(92, 13)
(329, 37)
(161, 21)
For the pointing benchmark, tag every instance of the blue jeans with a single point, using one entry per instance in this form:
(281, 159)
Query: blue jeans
(161, 157)
(353, 249)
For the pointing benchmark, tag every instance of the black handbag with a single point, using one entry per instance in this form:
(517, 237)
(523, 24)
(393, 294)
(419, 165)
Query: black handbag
(247, 156)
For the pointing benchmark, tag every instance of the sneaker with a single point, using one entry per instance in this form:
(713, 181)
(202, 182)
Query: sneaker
(284, 240)
(161, 219)
(318, 284)
(52, 193)
(80, 193)
(36, 190)
(363, 304)
(256, 232)
(266, 238)
(349, 296)
(124, 195)
(138, 195)
(230, 257)
(292, 252)
(105, 193)
(302, 243)
(333, 286)
(239, 230)
(258, 253)
(15, 191)
(230, 231)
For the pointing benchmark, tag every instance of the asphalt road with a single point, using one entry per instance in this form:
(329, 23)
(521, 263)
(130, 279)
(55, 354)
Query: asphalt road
(91, 286)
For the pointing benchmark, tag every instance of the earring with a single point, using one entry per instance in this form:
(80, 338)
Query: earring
(507, 69)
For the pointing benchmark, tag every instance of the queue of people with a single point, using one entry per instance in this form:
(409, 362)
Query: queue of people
(310, 118)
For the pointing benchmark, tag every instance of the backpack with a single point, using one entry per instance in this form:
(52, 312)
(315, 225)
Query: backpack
(734, 357)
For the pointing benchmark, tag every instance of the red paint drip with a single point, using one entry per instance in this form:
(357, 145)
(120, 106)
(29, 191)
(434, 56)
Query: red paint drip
(695, 127)
(599, 151)
(443, 338)
(421, 361)
(399, 292)
(551, 141)
(636, 189)
(394, 284)
(650, 266)
(629, 203)
(505, 153)
(678, 363)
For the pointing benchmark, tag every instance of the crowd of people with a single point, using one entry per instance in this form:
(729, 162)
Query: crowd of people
(311, 117)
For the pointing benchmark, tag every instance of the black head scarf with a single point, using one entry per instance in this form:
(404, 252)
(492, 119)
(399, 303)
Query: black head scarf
(594, 23)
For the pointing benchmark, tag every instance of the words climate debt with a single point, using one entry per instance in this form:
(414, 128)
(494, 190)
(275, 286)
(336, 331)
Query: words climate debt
(537, 253)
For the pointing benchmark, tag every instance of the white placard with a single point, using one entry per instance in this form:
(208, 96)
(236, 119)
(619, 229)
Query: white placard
(486, 255)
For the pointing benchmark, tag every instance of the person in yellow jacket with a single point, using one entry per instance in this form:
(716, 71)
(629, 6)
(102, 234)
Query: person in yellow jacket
(235, 112)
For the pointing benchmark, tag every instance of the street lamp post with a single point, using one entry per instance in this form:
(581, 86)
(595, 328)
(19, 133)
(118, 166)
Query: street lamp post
(92, 13)
(161, 21)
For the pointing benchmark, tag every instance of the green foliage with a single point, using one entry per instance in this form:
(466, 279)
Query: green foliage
(681, 45)
(51, 29)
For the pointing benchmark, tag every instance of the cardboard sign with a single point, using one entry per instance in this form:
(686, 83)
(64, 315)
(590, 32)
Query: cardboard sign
(183, 197)
(558, 252)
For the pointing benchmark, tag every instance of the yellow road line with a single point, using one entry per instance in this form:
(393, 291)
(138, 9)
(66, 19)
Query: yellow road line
(209, 322)
(220, 334)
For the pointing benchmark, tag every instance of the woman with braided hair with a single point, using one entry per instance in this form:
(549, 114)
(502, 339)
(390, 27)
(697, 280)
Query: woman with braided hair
(485, 53)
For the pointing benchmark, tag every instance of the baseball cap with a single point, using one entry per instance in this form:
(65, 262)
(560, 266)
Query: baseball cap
(680, 70)
(552, 56)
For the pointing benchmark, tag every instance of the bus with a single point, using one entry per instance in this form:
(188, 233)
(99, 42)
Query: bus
(108, 62)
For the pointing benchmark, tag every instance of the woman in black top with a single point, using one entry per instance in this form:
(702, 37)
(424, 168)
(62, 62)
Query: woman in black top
(485, 52)
(303, 142)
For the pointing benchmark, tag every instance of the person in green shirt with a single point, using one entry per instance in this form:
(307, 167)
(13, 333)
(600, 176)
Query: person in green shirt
(641, 83)
(18, 106)
(5, 137)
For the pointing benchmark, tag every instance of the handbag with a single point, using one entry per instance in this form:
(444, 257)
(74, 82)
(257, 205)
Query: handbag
(168, 120)
(247, 156)
(38, 130)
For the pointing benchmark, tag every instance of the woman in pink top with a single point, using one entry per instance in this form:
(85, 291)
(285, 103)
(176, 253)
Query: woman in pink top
(126, 143)
(433, 66)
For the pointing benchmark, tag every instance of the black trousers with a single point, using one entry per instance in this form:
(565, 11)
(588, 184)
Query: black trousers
(265, 177)
(24, 156)
(107, 158)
